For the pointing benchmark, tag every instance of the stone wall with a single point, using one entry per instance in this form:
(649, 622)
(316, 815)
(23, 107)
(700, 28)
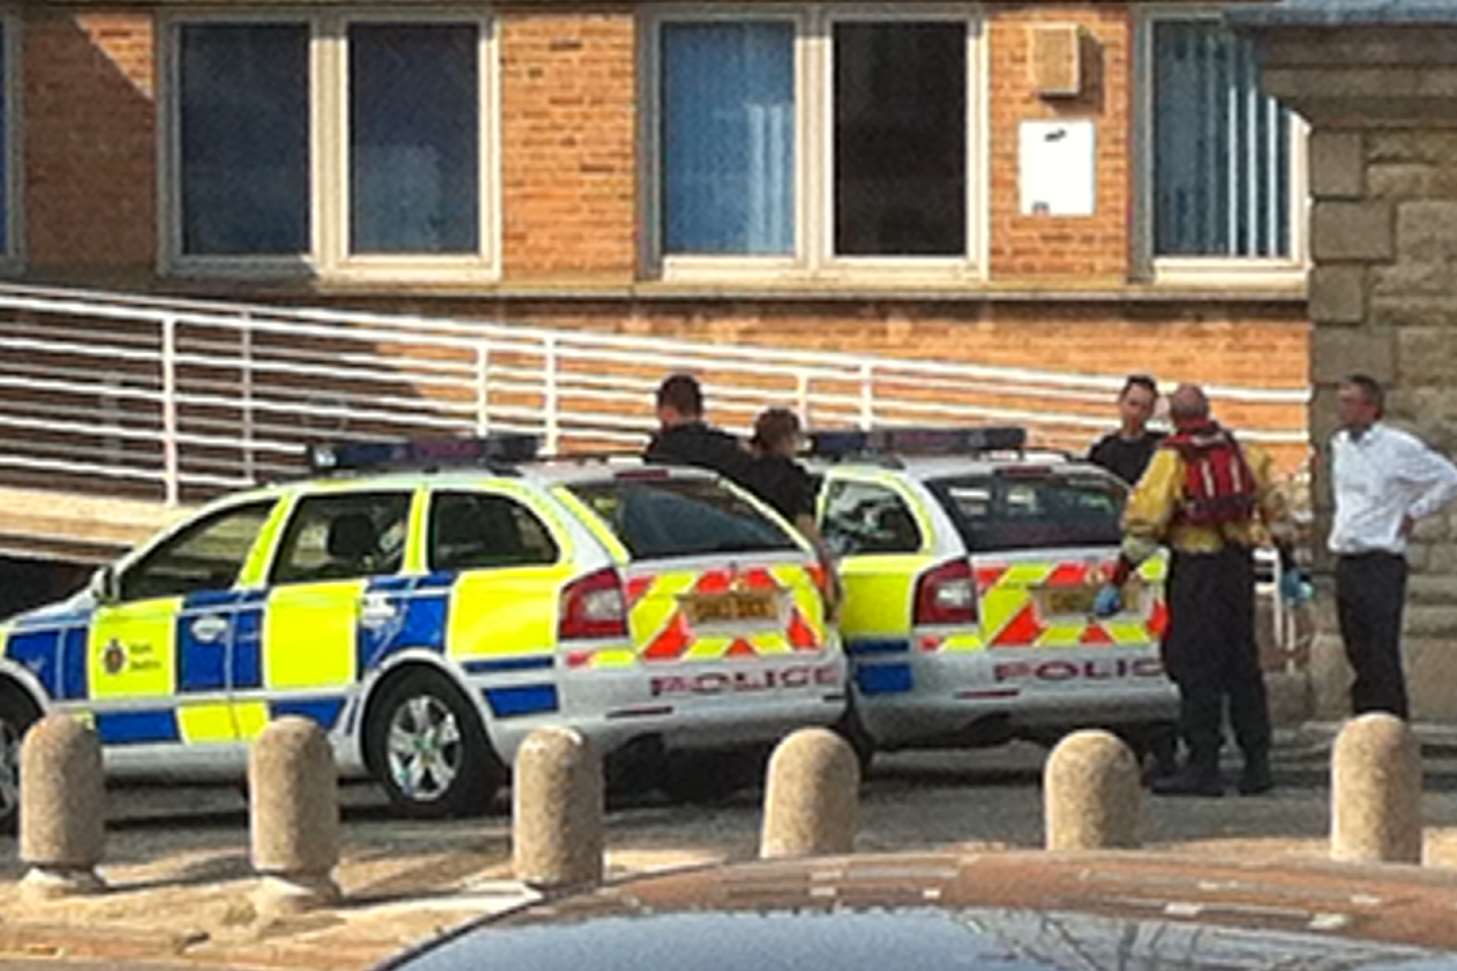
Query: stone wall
(1382, 104)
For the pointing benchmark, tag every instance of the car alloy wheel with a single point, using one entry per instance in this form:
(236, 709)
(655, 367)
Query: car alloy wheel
(424, 748)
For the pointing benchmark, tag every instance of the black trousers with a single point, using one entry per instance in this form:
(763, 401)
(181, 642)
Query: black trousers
(1209, 651)
(1370, 592)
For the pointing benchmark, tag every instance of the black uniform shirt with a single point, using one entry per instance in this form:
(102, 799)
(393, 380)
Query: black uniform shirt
(784, 484)
(694, 443)
(1124, 457)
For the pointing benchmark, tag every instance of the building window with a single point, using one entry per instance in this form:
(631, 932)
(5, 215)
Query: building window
(243, 139)
(900, 139)
(1224, 188)
(330, 145)
(815, 142)
(728, 138)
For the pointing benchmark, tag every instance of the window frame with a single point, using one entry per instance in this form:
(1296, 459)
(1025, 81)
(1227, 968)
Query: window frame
(12, 254)
(813, 257)
(328, 257)
(1213, 271)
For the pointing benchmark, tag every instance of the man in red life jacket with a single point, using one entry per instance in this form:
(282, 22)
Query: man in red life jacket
(1211, 500)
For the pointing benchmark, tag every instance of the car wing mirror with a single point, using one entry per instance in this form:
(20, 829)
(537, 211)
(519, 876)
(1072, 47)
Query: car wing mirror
(106, 585)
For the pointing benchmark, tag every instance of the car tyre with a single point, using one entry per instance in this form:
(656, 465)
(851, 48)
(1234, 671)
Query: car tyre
(17, 713)
(853, 731)
(428, 749)
(708, 778)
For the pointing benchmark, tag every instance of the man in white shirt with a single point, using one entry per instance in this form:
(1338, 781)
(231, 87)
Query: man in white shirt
(1384, 480)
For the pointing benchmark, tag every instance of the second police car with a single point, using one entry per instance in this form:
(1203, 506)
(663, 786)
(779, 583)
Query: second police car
(969, 567)
(428, 620)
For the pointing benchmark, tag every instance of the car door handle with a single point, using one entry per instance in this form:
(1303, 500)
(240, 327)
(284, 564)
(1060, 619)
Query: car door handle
(209, 628)
(376, 613)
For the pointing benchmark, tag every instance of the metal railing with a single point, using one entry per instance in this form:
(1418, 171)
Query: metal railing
(180, 399)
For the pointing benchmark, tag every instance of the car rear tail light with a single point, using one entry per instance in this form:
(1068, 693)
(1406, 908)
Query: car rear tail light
(946, 594)
(593, 606)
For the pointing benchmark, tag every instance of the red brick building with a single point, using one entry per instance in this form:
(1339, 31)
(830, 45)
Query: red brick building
(1092, 187)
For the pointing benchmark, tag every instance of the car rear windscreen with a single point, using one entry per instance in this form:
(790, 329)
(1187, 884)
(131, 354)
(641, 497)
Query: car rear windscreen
(681, 517)
(1017, 509)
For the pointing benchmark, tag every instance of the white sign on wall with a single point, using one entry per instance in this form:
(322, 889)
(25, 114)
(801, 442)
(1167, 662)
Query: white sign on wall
(1057, 168)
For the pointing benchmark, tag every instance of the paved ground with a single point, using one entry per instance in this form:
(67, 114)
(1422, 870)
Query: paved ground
(177, 861)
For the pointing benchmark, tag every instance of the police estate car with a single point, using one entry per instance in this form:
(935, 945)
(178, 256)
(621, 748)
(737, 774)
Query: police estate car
(429, 619)
(970, 567)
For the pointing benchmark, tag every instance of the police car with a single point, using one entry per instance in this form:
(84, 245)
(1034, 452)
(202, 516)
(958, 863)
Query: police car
(970, 567)
(429, 619)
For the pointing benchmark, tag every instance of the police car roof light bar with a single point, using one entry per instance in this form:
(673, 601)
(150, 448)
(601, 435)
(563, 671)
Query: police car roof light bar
(506, 449)
(919, 440)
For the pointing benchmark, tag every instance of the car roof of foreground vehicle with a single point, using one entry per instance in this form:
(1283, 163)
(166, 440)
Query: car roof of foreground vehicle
(1015, 911)
(461, 462)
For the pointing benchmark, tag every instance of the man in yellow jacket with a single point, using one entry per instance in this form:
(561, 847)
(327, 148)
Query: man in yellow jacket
(1211, 501)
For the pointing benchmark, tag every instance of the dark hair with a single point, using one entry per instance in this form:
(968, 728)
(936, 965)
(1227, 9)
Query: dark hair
(773, 426)
(1370, 390)
(681, 392)
(1140, 381)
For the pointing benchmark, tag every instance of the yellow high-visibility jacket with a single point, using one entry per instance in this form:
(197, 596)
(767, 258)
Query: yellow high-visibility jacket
(1149, 517)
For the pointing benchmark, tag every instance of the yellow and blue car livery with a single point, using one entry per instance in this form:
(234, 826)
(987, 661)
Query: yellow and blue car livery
(428, 622)
(968, 588)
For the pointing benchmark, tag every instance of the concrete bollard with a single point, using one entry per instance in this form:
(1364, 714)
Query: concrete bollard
(293, 816)
(1091, 794)
(812, 797)
(556, 810)
(1376, 792)
(62, 808)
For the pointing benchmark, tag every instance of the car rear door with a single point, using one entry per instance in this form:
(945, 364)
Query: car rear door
(883, 547)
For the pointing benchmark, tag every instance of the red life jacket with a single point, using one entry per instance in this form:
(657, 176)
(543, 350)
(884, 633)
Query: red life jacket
(1218, 484)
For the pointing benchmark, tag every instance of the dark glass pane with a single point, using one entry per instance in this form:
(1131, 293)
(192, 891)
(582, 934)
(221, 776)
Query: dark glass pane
(244, 117)
(900, 139)
(414, 132)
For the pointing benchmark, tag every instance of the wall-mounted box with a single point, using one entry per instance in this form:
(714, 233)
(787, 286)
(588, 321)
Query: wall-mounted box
(1055, 61)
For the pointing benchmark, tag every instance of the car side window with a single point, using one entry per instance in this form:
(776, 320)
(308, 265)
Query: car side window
(475, 530)
(205, 555)
(343, 536)
(861, 518)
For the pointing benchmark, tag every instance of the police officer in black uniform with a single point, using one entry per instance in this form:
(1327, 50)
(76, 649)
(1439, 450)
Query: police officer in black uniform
(685, 439)
(779, 480)
(1127, 451)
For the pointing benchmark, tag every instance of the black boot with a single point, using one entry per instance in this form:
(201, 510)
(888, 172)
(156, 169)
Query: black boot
(1194, 779)
(1256, 778)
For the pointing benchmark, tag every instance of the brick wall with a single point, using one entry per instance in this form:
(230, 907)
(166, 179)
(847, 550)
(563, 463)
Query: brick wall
(1095, 246)
(569, 164)
(569, 145)
(90, 139)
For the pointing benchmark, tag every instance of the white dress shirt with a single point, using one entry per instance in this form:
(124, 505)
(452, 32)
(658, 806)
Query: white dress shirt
(1379, 478)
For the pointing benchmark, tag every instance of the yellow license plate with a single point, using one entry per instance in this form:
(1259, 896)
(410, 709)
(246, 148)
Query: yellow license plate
(1077, 600)
(720, 608)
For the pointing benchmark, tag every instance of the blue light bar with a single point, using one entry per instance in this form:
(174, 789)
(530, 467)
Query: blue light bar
(918, 440)
(422, 453)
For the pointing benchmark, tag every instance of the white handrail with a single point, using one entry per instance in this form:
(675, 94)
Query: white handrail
(196, 396)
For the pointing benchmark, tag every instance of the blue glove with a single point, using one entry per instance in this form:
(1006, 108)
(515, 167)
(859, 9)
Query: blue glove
(1295, 587)
(1108, 601)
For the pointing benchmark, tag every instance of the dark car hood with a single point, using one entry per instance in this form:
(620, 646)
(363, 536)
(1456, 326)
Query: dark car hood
(999, 912)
